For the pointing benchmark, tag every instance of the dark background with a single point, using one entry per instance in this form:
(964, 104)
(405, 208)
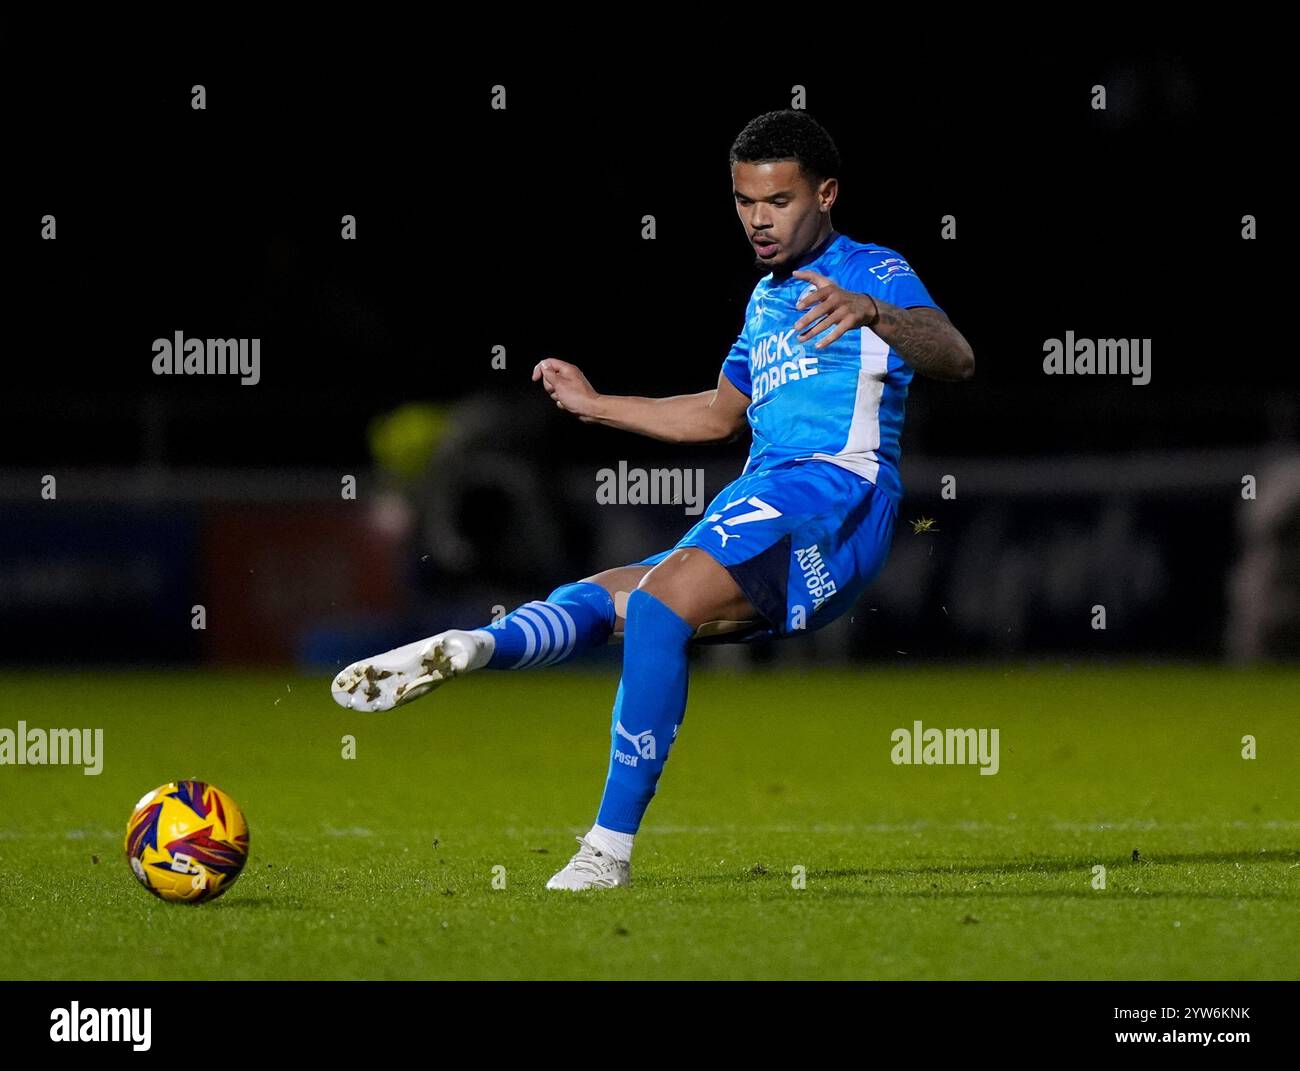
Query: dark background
(522, 228)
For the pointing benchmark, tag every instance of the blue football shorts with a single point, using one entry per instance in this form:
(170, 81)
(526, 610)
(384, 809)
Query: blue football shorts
(801, 541)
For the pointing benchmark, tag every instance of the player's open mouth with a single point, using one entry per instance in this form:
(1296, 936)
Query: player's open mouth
(766, 249)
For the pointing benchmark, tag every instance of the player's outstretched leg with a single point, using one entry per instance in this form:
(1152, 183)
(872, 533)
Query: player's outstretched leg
(662, 616)
(573, 618)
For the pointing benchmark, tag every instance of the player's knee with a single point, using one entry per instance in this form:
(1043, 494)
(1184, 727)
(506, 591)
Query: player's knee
(696, 588)
(668, 590)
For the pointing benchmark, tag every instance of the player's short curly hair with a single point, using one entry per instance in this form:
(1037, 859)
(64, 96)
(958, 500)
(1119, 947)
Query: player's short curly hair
(788, 135)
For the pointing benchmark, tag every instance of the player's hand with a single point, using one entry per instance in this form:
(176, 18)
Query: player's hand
(569, 388)
(837, 309)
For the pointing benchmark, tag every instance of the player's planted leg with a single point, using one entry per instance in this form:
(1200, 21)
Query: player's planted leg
(649, 706)
(573, 618)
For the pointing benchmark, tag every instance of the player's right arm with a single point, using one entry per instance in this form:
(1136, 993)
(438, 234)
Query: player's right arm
(711, 416)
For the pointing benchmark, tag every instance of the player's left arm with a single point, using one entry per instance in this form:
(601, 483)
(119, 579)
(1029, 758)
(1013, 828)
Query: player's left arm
(924, 337)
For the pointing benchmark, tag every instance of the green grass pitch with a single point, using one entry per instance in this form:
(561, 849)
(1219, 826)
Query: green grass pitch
(382, 866)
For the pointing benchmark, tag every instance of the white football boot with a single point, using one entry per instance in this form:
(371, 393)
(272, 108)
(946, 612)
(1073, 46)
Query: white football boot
(590, 868)
(405, 673)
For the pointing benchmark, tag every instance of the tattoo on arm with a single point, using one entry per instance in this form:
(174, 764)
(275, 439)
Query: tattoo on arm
(926, 339)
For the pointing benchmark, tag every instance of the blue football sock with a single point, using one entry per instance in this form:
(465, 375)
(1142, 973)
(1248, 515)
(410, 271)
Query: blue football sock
(574, 618)
(649, 707)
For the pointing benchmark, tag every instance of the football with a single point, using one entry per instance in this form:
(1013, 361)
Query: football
(187, 842)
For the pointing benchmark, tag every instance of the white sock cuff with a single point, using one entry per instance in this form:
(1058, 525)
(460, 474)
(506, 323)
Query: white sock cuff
(617, 844)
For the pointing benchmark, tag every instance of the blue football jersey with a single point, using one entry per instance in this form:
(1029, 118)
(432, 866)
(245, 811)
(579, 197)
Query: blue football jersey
(843, 403)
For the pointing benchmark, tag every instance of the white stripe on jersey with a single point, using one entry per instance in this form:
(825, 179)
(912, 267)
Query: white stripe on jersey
(859, 452)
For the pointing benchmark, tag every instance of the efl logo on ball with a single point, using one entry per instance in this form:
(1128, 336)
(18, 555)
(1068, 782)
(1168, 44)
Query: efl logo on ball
(187, 842)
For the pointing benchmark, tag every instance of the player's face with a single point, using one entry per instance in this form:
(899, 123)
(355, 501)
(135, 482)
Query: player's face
(784, 214)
